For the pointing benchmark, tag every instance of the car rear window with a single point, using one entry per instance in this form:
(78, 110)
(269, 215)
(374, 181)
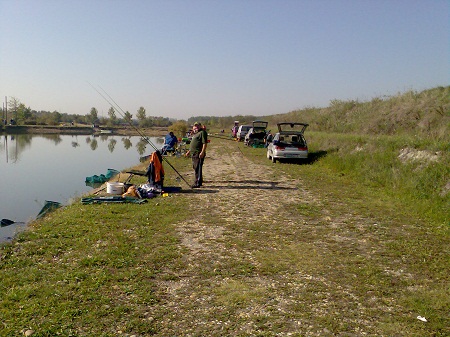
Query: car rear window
(292, 140)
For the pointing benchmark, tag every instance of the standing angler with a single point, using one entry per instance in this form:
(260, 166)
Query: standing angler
(198, 146)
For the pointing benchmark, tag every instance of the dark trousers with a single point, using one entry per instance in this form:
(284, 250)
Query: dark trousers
(197, 165)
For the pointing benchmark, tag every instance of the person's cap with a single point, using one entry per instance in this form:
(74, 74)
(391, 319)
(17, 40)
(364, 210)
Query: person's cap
(197, 124)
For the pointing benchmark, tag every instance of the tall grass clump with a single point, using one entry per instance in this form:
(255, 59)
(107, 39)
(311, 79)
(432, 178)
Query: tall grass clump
(406, 168)
(423, 114)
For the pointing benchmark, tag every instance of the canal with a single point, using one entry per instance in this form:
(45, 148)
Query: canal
(36, 168)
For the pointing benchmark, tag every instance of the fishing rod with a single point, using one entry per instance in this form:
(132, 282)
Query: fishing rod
(129, 121)
(221, 137)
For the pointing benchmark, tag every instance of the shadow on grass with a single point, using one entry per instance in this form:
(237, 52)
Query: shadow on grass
(315, 156)
(312, 158)
(214, 186)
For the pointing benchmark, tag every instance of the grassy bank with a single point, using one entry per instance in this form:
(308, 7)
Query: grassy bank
(113, 270)
(411, 169)
(353, 242)
(408, 201)
(89, 270)
(424, 114)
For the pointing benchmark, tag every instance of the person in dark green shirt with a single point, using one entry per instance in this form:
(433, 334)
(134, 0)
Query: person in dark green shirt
(199, 142)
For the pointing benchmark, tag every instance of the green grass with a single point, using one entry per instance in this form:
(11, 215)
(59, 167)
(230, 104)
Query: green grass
(86, 262)
(410, 229)
(100, 269)
(366, 254)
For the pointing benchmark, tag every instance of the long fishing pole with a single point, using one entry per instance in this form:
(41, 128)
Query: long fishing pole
(222, 137)
(128, 120)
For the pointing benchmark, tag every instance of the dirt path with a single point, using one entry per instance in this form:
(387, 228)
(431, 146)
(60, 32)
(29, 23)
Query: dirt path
(245, 275)
(265, 256)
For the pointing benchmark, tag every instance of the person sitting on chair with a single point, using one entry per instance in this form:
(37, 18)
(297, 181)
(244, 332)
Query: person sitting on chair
(169, 143)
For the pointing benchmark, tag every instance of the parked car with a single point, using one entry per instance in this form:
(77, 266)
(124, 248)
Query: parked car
(256, 134)
(242, 131)
(288, 143)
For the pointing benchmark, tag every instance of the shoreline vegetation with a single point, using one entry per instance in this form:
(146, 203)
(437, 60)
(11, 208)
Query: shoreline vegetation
(353, 242)
(82, 130)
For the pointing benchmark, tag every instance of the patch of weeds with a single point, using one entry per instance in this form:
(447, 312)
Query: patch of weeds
(236, 293)
(234, 266)
(309, 210)
(294, 258)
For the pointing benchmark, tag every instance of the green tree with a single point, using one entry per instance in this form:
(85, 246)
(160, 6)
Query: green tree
(112, 117)
(13, 106)
(179, 128)
(93, 116)
(54, 118)
(128, 117)
(141, 116)
(23, 114)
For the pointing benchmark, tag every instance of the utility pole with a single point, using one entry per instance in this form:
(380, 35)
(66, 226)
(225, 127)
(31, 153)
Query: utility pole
(6, 110)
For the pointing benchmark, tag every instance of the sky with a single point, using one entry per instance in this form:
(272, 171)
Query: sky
(181, 59)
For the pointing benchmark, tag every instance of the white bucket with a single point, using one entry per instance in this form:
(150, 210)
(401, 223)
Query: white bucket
(114, 188)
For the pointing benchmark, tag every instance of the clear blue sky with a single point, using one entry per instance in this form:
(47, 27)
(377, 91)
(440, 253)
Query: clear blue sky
(180, 59)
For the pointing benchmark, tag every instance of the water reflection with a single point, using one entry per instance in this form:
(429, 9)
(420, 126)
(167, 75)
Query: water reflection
(141, 146)
(94, 145)
(127, 143)
(12, 146)
(112, 145)
(35, 168)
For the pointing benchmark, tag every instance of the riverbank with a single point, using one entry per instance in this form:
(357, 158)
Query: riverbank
(39, 167)
(82, 130)
(259, 250)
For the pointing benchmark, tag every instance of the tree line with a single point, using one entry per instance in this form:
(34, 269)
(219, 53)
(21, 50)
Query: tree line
(18, 113)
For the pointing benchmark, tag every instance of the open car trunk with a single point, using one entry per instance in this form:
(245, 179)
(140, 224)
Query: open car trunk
(258, 133)
(292, 127)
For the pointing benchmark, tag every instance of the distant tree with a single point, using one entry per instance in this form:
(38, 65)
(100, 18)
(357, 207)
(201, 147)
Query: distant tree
(48, 118)
(13, 106)
(23, 114)
(179, 128)
(141, 116)
(128, 117)
(112, 117)
(93, 116)
(55, 118)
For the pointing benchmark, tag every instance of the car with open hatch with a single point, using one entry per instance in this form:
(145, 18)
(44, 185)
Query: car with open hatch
(288, 143)
(257, 134)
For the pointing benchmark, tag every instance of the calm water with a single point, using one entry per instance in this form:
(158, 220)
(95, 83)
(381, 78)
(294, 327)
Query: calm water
(36, 168)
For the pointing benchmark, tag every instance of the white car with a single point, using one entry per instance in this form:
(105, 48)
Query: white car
(288, 142)
(242, 131)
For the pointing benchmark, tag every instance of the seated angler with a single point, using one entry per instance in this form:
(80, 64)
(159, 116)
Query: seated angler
(170, 143)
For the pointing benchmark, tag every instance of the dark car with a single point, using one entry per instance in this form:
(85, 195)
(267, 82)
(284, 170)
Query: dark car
(257, 134)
